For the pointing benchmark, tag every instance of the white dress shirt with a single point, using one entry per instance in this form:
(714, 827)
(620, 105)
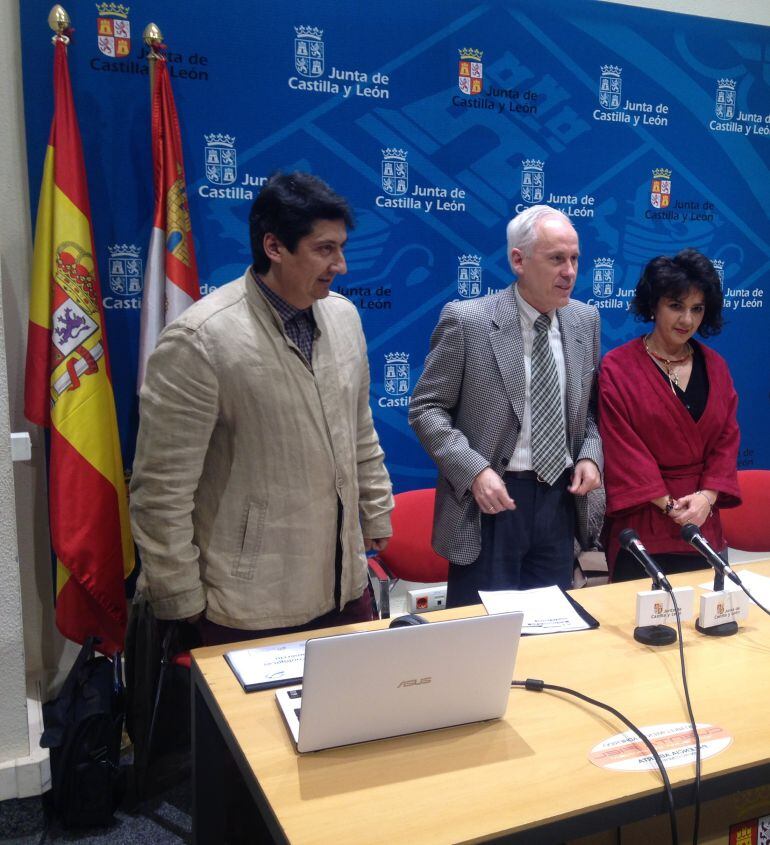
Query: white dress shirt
(522, 455)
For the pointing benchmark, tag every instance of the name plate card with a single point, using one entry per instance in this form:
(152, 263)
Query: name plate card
(654, 607)
(723, 606)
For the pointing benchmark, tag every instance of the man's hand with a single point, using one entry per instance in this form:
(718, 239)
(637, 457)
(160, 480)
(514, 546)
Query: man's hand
(490, 492)
(375, 544)
(585, 478)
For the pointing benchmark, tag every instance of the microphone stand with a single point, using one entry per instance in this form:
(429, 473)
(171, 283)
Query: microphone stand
(655, 634)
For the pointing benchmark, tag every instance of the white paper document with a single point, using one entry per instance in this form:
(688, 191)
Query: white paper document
(547, 610)
(268, 666)
(757, 585)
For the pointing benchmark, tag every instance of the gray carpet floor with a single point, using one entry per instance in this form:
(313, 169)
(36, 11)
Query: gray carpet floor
(163, 820)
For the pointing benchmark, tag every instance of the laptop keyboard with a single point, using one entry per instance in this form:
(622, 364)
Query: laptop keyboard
(296, 693)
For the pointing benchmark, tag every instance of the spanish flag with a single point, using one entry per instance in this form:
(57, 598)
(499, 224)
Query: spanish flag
(68, 388)
(171, 273)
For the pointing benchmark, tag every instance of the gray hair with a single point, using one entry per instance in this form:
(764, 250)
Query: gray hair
(521, 230)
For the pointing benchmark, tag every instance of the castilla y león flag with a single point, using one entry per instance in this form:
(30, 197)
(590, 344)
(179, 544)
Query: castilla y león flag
(68, 389)
(171, 275)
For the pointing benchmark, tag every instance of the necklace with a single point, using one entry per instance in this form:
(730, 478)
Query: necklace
(668, 363)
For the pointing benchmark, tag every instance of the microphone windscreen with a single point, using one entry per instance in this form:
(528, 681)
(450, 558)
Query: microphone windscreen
(626, 537)
(689, 532)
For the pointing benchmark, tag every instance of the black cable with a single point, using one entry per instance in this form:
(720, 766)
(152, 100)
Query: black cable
(696, 802)
(535, 685)
(757, 603)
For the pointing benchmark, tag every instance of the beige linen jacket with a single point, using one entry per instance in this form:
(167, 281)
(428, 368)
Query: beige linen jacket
(242, 456)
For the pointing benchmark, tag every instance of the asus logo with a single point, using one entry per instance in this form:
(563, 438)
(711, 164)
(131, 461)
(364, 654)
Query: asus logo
(414, 682)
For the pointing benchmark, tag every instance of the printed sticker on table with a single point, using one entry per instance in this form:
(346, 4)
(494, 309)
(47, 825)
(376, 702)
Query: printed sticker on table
(752, 832)
(674, 743)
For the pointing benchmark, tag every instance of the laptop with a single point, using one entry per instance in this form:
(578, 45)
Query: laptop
(377, 684)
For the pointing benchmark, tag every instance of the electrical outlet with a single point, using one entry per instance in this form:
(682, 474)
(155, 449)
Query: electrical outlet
(428, 598)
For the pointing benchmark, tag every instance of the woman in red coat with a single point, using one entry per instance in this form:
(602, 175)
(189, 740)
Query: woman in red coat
(667, 417)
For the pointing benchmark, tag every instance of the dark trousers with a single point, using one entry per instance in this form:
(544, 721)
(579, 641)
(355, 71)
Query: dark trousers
(532, 546)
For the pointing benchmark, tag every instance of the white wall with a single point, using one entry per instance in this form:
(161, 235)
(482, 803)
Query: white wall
(748, 11)
(13, 262)
(29, 583)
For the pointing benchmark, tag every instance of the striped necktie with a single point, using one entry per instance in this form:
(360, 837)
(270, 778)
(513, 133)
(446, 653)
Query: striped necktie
(548, 433)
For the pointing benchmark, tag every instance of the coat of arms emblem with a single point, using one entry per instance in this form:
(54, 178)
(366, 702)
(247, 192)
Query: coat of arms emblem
(395, 172)
(660, 189)
(469, 275)
(471, 72)
(532, 181)
(603, 277)
(719, 266)
(309, 51)
(113, 29)
(610, 87)
(126, 275)
(396, 373)
(725, 99)
(221, 159)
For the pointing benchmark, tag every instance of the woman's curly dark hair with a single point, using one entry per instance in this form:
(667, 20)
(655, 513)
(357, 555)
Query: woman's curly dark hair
(673, 278)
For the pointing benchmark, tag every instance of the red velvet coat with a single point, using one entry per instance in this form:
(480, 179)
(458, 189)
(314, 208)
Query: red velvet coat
(653, 447)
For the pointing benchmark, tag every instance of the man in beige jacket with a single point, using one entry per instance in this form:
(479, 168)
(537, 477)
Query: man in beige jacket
(259, 479)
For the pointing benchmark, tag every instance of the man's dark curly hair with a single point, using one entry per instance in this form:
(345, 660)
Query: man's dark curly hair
(288, 206)
(673, 278)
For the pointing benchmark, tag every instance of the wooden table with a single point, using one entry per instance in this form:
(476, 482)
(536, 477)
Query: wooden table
(523, 779)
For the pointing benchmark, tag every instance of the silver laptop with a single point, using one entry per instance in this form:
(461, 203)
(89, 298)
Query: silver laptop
(377, 684)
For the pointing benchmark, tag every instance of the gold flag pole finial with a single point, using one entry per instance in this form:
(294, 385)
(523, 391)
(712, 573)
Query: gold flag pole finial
(60, 22)
(153, 38)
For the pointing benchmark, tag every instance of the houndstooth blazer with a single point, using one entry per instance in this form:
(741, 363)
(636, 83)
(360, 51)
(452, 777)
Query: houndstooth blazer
(467, 406)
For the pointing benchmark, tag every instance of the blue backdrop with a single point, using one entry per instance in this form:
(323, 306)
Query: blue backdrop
(439, 121)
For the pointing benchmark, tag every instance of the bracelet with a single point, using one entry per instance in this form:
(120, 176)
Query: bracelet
(710, 504)
(669, 506)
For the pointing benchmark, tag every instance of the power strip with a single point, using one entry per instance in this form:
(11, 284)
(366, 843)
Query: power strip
(429, 598)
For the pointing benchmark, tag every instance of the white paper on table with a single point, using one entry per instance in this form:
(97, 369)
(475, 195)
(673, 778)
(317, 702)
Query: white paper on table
(757, 585)
(546, 609)
(266, 666)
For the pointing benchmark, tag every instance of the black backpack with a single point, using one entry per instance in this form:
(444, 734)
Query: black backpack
(83, 729)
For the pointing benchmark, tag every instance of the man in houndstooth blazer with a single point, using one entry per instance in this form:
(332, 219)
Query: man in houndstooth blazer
(500, 526)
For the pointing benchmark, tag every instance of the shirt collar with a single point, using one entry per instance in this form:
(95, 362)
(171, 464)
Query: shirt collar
(286, 310)
(527, 312)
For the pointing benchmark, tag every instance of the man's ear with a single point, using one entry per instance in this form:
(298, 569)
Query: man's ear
(272, 247)
(516, 260)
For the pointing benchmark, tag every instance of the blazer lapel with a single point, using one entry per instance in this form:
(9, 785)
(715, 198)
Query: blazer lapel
(574, 355)
(508, 349)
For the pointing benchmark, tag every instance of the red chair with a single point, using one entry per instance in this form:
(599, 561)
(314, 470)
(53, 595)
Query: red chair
(409, 555)
(747, 527)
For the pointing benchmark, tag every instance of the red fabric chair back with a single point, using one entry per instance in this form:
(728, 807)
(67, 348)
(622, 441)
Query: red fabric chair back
(747, 527)
(409, 554)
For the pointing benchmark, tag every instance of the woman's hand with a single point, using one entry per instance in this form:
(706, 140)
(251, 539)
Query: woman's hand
(695, 507)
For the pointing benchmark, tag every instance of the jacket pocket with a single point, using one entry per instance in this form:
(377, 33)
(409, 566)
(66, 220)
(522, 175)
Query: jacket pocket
(253, 534)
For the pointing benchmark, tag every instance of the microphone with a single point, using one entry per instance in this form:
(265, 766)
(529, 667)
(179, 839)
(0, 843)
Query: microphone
(691, 534)
(630, 541)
